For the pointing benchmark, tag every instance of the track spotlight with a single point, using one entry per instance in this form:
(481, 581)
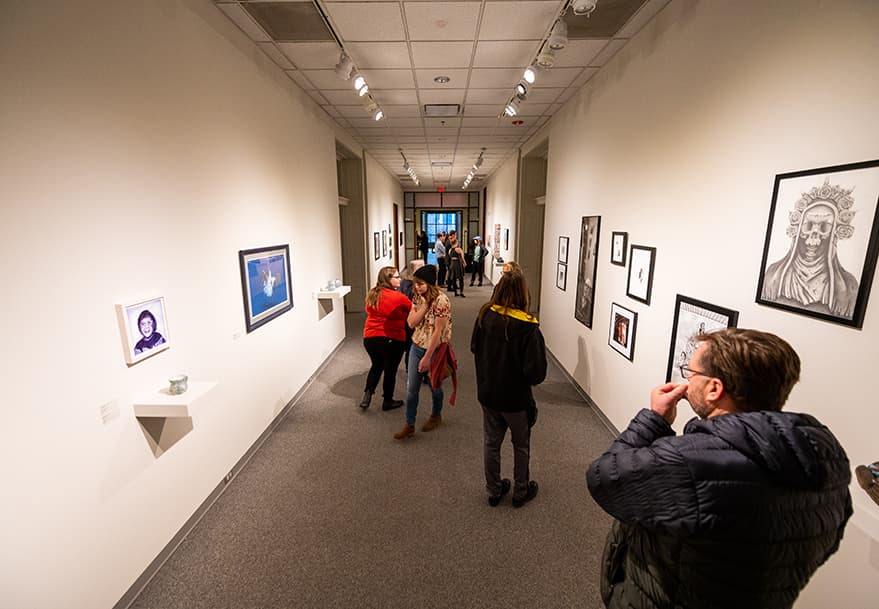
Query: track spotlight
(583, 7)
(530, 74)
(379, 115)
(558, 38)
(363, 90)
(512, 108)
(521, 89)
(359, 81)
(345, 67)
(371, 107)
(546, 59)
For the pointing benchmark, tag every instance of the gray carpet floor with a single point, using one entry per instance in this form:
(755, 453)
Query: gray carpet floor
(333, 512)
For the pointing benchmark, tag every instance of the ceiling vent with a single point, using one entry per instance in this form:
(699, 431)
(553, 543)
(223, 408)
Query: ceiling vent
(290, 21)
(440, 164)
(442, 109)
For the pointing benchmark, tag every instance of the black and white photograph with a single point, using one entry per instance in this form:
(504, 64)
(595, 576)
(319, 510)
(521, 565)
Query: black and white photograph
(691, 318)
(563, 250)
(561, 276)
(641, 262)
(821, 242)
(621, 336)
(144, 328)
(384, 242)
(376, 245)
(586, 270)
(618, 244)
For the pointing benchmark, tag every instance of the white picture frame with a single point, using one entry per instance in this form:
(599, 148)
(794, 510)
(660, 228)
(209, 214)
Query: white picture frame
(139, 341)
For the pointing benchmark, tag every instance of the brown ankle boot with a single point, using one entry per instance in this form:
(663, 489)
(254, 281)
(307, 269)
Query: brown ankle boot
(432, 423)
(407, 432)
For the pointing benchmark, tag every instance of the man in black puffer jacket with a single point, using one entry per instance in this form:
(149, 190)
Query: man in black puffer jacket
(740, 510)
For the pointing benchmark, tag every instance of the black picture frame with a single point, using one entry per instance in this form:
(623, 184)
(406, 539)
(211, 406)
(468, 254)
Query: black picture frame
(376, 245)
(266, 284)
(561, 276)
(587, 270)
(621, 333)
(506, 240)
(642, 260)
(828, 215)
(619, 243)
(692, 316)
(563, 249)
(384, 242)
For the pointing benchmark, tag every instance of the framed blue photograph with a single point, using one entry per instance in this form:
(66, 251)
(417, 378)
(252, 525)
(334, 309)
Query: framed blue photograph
(144, 328)
(266, 284)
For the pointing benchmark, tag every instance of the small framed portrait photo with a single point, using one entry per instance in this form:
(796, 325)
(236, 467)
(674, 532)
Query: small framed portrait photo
(641, 262)
(563, 249)
(623, 324)
(376, 245)
(144, 328)
(561, 276)
(618, 244)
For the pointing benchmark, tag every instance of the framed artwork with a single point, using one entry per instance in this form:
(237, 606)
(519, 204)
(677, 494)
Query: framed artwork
(497, 241)
(376, 245)
(821, 242)
(144, 328)
(618, 244)
(384, 242)
(506, 239)
(400, 241)
(266, 284)
(640, 284)
(563, 250)
(587, 268)
(561, 276)
(691, 318)
(621, 336)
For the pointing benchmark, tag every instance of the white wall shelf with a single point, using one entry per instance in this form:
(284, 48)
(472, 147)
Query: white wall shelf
(335, 293)
(160, 403)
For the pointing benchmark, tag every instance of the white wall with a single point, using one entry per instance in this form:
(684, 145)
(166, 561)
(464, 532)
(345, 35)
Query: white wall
(382, 191)
(677, 141)
(144, 144)
(500, 208)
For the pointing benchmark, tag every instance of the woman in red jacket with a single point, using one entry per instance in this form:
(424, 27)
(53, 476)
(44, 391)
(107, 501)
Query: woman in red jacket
(384, 336)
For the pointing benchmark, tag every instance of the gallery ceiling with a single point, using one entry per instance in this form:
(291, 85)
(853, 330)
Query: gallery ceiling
(441, 73)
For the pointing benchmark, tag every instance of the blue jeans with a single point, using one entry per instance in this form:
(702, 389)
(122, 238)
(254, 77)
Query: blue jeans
(413, 386)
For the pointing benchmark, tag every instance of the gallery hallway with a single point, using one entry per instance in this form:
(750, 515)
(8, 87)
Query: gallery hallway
(333, 512)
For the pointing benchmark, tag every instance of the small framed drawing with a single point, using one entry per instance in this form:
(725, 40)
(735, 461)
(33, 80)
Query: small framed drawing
(641, 261)
(266, 284)
(821, 242)
(618, 244)
(384, 243)
(144, 328)
(623, 324)
(692, 317)
(376, 245)
(561, 276)
(563, 250)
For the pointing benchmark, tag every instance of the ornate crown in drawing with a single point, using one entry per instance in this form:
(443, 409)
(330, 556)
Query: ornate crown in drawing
(833, 195)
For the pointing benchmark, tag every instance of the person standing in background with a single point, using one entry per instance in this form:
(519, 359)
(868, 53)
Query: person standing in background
(478, 260)
(439, 248)
(423, 246)
(455, 256)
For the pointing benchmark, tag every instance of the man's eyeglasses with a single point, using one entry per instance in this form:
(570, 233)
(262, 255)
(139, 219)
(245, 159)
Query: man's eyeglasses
(688, 372)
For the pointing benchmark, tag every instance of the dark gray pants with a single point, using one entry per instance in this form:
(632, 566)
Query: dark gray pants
(495, 424)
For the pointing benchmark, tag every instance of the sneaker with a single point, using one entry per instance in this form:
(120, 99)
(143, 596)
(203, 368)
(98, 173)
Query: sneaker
(532, 493)
(391, 404)
(407, 432)
(505, 488)
(432, 423)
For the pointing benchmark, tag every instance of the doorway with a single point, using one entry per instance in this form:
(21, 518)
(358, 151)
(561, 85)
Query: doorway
(433, 222)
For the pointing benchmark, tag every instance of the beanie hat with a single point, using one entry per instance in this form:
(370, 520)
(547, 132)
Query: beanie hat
(427, 274)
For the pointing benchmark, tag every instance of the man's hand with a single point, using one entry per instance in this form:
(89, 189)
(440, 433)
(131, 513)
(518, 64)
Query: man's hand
(664, 400)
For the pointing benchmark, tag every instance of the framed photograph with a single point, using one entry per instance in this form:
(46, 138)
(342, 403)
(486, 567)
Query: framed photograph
(561, 276)
(506, 239)
(266, 283)
(497, 241)
(376, 245)
(623, 324)
(144, 328)
(390, 245)
(618, 244)
(821, 242)
(400, 242)
(563, 250)
(587, 268)
(691, 318)
(640, 284)
(384, 243)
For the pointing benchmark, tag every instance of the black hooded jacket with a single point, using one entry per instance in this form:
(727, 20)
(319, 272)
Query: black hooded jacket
(510, 357)
(738, 512)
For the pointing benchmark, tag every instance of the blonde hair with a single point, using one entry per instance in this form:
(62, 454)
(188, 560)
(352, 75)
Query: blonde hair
(374, 296)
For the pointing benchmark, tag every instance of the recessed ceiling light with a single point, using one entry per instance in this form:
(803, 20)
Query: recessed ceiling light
(441, 79)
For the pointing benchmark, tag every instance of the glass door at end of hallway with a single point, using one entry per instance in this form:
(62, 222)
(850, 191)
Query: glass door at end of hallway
(439, 222)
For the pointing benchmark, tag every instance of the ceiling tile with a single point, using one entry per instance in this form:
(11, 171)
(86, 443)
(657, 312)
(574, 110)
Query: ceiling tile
(277, 56)
(587, 74)
(343, 97)
(531, 108)
(316, 96)
(442, 20)
(359, 21)
(566, 94)
(442, 54)
(331, 110)
(486, 78)
(556, 77)
(404, 122)
(489, 96)
(441, 96)
(607, 52)
(482, 109)
(476, 131)
(394, 96)
(543, 96)
(401, 111)
(526, 20)
(351, 111)
(311, 55)
(480, 122)
(425, 78)
(389, 79)
(243, 20)
(300, 79)
(445, 123)
(327, 79)
(579, 53)
(379, 55)
(504, 54)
